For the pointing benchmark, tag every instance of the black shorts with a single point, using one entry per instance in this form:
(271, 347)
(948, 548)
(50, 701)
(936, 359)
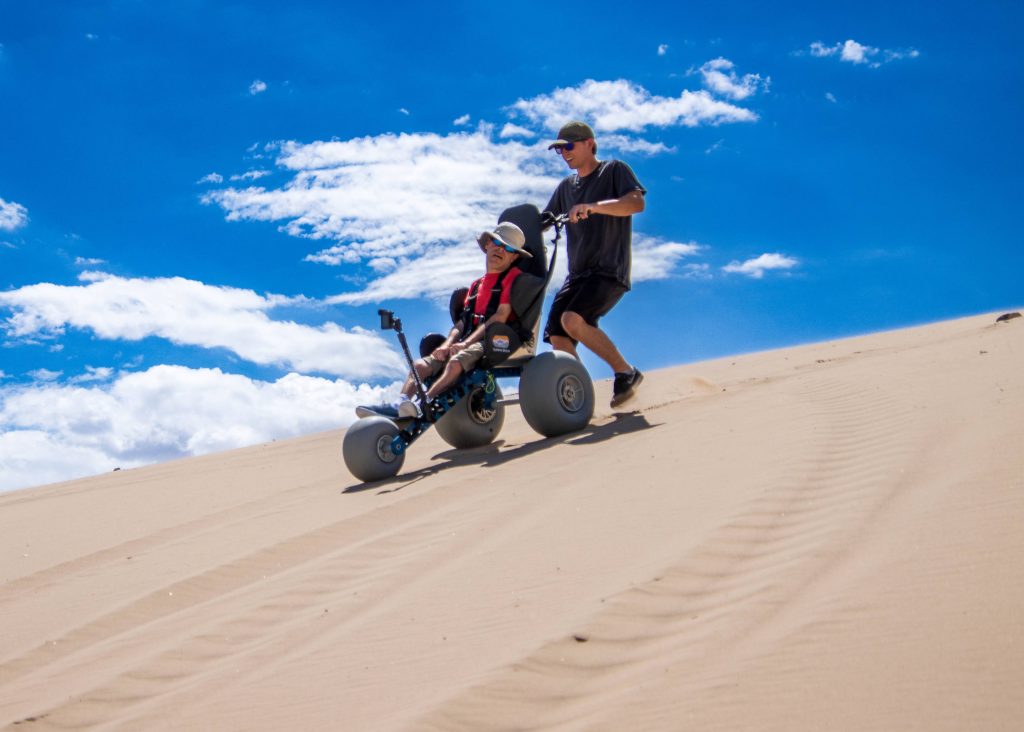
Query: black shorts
(589, 297)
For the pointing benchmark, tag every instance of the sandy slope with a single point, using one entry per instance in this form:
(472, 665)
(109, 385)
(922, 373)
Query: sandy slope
(826, 537)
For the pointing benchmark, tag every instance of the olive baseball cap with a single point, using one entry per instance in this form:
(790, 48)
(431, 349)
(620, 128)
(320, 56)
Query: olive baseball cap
(574, 131)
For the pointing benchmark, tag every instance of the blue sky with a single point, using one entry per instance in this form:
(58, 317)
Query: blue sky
(203, 204)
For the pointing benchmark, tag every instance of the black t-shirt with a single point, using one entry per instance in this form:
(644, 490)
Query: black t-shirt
(598, 244)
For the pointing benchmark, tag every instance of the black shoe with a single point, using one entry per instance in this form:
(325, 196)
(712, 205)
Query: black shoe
(625, 386)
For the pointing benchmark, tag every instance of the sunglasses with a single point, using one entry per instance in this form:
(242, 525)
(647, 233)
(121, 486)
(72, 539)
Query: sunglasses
(567, 146)
(506, 247)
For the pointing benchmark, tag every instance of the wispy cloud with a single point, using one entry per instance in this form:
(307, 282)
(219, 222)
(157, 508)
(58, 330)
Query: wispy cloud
(187, 312)
(51, 431)
(719, 75)
(622, 105)
(461, 121)
(12, 215)
(856, 53)
(249, 175)
(662, 49)
(216, 178)
(759, 265)
(257, 87)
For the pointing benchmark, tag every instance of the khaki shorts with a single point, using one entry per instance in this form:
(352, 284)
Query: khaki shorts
(467, 358)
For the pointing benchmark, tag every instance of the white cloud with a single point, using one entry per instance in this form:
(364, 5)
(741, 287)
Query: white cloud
(88, 262)
(512, 130)
(257, 87)
(45, 375)
(856, 53)
(92, 374)
(211, 178)
(393, 197)
(461, 121)
(51, 432)
(830, 97)
(404, 111)
(759, 265)
(250, 175)
(629, 144)
(434, 274)
(408, 206)
(720, 76)
(714, 147)
(187, 312)
(656, 259)
(12, 215)
(662, 49)
(613, 106)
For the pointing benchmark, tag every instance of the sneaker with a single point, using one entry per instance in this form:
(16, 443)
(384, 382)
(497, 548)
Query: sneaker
(408, 409)
(381, 410)
(625, 386)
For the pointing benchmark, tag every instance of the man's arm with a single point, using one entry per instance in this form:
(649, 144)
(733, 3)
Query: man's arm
(627, 205)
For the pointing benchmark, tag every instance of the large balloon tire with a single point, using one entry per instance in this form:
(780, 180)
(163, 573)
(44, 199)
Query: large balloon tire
(469, 423)
(367, 449)
(556, 394)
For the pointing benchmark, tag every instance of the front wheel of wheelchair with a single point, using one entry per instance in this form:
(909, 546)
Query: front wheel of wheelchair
(368, 449)
(470, 423)
(556, 394)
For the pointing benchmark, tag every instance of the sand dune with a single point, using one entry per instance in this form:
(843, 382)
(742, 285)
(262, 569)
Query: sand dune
(823, 537)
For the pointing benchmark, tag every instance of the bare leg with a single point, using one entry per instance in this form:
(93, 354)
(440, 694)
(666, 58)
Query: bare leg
(594, 339)
(409, 389)
(561, 343)
(451, 374)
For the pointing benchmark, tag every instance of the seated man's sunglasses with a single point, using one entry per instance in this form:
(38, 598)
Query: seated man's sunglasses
(567, 146)
(503, 245)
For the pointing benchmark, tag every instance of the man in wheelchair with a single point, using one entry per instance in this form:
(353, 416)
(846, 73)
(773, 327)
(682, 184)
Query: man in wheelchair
(487, 301)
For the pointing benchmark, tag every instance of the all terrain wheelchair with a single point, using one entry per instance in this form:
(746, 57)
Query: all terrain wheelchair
(556, 393)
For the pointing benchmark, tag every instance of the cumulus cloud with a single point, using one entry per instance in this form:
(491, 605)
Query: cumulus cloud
(51, 432)
(187, 312)
(759, 265)
(391, 197)
(461, 121)
(720, 76)
(211, 178)
(12, 215)
(257, 87)
(622, 105)
(856, 53)
(656, 259)
(408, 206)
(662, 49)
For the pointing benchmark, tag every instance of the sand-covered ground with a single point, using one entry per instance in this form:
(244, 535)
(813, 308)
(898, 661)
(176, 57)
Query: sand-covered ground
(828, 537)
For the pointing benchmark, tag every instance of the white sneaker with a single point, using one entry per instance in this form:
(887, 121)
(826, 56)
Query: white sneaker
(408, 409)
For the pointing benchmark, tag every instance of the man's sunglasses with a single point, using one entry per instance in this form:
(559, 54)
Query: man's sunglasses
(567, 146)
(506, 247)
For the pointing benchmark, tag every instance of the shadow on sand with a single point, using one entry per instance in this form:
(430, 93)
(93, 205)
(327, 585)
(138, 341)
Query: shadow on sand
(491, 456)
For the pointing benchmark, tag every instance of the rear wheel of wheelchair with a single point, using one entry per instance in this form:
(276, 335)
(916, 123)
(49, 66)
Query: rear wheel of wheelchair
(368, 451)
(556, 394)
(470, 423)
